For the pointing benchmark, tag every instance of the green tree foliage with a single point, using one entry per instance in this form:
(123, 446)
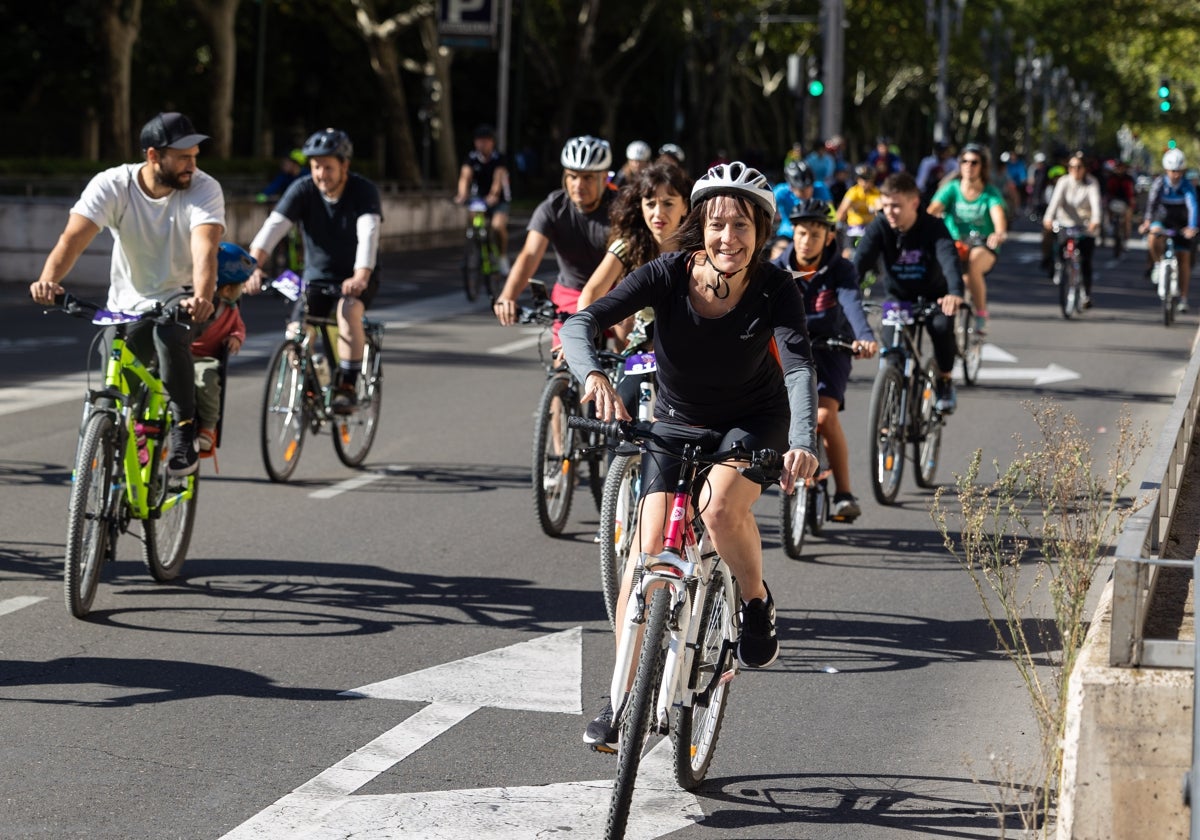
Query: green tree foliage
(707, 75)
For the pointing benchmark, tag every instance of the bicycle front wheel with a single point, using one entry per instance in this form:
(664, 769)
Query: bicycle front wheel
(886, 431)
(284, 412)
(1167, 291)
(928, 443)
(1068, 289)
(618, 524)
(698, 723)
(968, 344)
(637, 720)
(167, 535)
(354, 433)
(793, 518)
(553, 456)
(472, 269)
(91, 535)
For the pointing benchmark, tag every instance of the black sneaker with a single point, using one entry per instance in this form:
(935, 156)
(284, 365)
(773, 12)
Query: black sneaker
(345, 400)
(758, 647)
(946, 399)
(845, 508)
(600, 734)
(184, 459)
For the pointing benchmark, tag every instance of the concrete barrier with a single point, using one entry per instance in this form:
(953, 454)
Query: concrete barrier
(29, 227)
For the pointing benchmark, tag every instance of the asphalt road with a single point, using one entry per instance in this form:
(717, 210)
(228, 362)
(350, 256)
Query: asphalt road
(190, 709)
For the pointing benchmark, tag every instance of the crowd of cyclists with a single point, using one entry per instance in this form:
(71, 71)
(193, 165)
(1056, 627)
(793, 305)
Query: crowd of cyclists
(740, 279)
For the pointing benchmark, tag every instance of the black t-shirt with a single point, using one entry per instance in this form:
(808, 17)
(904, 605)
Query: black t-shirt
(920, 262)
(579, 241)
(712, 371)
(483, 171)
(330, 228)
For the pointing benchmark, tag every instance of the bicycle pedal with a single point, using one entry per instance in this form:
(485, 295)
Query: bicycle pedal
(603, 748)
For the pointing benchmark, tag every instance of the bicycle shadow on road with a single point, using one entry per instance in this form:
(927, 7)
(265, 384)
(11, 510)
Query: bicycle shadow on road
(869, 805)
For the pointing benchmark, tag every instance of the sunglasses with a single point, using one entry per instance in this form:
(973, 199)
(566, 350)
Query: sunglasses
(970, 161)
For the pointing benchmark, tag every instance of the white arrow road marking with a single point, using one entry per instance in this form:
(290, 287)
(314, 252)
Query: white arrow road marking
(1047, 375)
(992, 353)
(548, 675)
(10, 605)
(532, 339)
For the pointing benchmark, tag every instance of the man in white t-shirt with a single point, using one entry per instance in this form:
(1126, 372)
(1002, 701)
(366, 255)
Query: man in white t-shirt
(166, 218)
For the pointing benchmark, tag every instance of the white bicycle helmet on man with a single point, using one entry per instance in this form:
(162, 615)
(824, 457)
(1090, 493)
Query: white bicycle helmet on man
(586, 154)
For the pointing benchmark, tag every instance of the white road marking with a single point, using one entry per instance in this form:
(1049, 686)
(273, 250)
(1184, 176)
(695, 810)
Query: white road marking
(347, 485)
(46, 392)
(544, 674)
(11, 605)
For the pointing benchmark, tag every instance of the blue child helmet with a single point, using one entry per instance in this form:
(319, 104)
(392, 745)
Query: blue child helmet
(234, 264)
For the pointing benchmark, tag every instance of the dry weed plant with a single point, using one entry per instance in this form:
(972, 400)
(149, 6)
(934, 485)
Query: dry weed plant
(1045, 522)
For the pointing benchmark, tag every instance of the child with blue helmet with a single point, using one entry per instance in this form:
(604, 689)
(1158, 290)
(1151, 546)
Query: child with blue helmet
(225, 333)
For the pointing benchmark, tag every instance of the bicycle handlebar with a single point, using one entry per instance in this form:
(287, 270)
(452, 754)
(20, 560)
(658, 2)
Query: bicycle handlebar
(80, 308)
(765, 464)
(835, 343)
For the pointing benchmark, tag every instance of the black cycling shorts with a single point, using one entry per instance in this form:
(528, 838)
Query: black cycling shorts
(321, 305)
(660, 470)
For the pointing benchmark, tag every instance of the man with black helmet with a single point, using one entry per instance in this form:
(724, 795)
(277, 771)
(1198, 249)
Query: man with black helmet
(485, 173)
(833, 309)
(166, 218)
(341, 215)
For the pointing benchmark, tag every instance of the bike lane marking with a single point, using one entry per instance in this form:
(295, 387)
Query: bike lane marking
(549, 679)
(11, 605)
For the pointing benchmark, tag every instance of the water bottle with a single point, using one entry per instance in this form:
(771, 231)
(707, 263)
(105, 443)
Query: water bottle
(321, 366)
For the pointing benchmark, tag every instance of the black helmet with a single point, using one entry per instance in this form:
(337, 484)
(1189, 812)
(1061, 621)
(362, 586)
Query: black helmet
(797, 174)
(329, 141)
(484, 130)
(864, 171)
(813, 210)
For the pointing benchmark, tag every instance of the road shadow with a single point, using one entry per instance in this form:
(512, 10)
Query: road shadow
(867, 806)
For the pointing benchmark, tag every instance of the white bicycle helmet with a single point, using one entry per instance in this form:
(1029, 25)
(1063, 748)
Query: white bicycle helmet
(672, 150)
(735, 179)
(587, 154)
(638, 150)
(1174, 159)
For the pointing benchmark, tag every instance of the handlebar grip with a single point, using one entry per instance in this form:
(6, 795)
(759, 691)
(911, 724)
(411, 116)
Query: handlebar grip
(619, 429)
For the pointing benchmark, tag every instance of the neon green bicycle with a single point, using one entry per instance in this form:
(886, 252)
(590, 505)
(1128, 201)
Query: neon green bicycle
(120, 471)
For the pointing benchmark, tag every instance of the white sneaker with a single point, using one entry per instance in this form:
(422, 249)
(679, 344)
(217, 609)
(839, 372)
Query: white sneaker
(1182, 306)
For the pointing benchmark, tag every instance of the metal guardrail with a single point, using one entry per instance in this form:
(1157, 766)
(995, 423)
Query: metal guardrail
(1140, 546)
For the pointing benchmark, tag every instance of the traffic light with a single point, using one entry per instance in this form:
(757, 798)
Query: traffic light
(816, 87)
(1164, 96)
(1171, 144)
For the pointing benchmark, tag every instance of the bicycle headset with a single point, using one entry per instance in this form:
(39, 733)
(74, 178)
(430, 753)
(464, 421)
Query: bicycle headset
(798, 175)
(813, 210)
(234, 264)
(587, 154)
(735, 179)
(330, 141)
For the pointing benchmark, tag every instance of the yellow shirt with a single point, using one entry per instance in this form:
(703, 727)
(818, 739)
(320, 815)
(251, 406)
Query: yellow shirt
(864, 201)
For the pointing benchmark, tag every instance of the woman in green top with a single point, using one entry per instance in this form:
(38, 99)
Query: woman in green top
(977, 216)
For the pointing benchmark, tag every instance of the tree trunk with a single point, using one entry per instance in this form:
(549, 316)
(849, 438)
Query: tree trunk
(220, 16)
(385, 61)
(442, 124)
(120, 23)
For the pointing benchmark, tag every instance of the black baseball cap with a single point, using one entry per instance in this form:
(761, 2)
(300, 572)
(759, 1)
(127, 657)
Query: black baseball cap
(170, 130)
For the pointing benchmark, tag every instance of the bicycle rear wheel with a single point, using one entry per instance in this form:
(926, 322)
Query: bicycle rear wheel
(284, 412)
(354, 433)
(553, 455)
(637, 719)
(886, 431)
(168, 533)
(698, 723)
(1167, 288)
(618, 524)
(968, 343)
(91, 531)
(928, 443)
